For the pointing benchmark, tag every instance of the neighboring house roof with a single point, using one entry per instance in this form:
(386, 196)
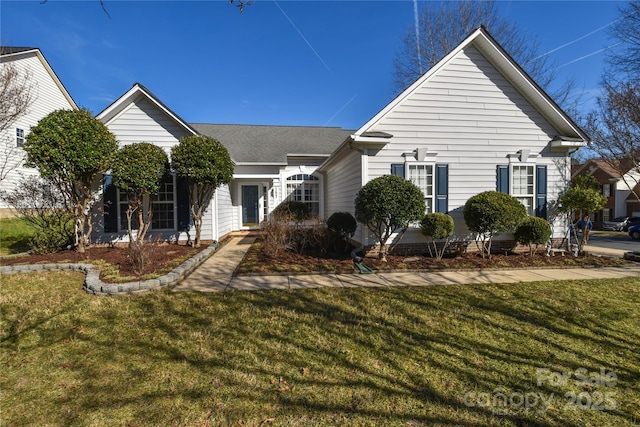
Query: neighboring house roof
(590, 166)
(570, 134)
(137, 90)
(8, 53)
(273, 144)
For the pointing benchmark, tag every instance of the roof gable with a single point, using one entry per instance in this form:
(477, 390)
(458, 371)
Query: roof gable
(570, 133)
(121, 104)
(590, 166)
(11, 53)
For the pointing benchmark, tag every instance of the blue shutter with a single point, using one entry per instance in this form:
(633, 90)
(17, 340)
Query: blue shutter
(442, 188)
(502, 181)
(184, 208)
(110, 204)
(397, 169)
(541, 191)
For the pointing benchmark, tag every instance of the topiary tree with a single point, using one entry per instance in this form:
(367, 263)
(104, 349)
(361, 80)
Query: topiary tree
(437, 226)
(342, 225)
(490, 213)
(386, 204)
(71, 148)
(138, 170)
(533, 232)
(206, 165)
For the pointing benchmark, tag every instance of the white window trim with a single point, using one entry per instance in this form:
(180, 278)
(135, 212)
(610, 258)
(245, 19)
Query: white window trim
(318, 181)
(175, 210)
(520, 196)
(432, 164)
(20, 139)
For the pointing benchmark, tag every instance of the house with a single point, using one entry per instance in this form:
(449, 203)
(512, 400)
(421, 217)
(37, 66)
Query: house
(616, 187)
(47, 95)
(474, 122)
(272, 163)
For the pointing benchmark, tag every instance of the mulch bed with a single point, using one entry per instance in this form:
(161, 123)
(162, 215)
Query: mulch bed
(165, 256)
(257, 262)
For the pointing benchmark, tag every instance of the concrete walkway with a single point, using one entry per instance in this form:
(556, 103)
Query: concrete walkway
(216, 274)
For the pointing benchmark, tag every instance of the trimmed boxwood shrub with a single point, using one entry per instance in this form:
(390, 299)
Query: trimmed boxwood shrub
(533, 232)
(490, 213)
(292, 210)
(386, 204)
(437, 226)
(342, 225)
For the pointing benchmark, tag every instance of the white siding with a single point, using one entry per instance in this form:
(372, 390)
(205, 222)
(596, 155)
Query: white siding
(225, 211)
(47, 97)
(472, 119)
(343, 180)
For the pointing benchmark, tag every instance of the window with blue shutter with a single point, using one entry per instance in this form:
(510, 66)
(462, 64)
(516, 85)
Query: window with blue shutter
(541, 191)
(502, 181)
(110, 205)
(442, 188)
(397, 169)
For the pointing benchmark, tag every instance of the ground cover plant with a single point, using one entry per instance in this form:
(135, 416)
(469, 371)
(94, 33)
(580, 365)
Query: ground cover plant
(384, 356)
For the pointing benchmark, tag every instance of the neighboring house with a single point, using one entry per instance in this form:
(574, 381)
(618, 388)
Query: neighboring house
(615, 187)
(48, 94)
(474, 122)
(272, 163)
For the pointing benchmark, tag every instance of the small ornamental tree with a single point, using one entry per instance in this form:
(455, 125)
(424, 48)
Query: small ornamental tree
(386, 204)
(437, 226)
(533, 232)
(490, 213)
(71, 148)
(581, 196)
(206, 165)
(138, 170)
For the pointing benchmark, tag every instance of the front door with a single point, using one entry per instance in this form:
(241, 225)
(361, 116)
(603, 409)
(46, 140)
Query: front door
(250, 206)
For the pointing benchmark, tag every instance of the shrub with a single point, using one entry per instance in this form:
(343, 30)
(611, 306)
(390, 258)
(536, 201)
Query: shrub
(281, 235)
(71, 149)
(140, 254)
(490, 213)
(205, 164)
(52, 239)
(386, 204)
(41, 204)
(138, 170)
(342, 225)
(437, 226)
(292, 210)
(533, 231)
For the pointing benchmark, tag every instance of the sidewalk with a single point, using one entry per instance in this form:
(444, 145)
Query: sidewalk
(216, 274)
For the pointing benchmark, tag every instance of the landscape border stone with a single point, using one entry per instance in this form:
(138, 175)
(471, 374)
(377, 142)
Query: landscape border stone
(93, 285)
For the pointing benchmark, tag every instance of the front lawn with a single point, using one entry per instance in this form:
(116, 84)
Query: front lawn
(401, 356)
(14, 236)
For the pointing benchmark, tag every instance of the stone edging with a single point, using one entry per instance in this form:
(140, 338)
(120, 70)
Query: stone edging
(93, 284)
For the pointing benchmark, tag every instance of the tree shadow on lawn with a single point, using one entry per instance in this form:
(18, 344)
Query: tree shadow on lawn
(332, 356)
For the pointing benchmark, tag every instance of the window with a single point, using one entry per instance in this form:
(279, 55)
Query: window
(522, 186)
(162, 207)
(422, 176)
(606, 213)
(19, 137)
(305, 188)
(606, 190)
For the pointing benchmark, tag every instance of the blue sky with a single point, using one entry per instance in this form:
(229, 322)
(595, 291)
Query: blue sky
(280, 63)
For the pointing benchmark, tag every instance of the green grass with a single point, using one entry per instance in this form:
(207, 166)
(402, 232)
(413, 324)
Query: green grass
(14, 236)
(381, 356)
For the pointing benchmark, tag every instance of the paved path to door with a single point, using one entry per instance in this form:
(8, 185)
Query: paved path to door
(216, 274)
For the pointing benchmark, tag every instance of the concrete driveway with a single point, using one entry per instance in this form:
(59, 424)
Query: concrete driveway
(610, 241)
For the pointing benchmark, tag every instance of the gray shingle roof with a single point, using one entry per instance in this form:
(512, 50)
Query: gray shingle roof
(7, 50)
(272, 144)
